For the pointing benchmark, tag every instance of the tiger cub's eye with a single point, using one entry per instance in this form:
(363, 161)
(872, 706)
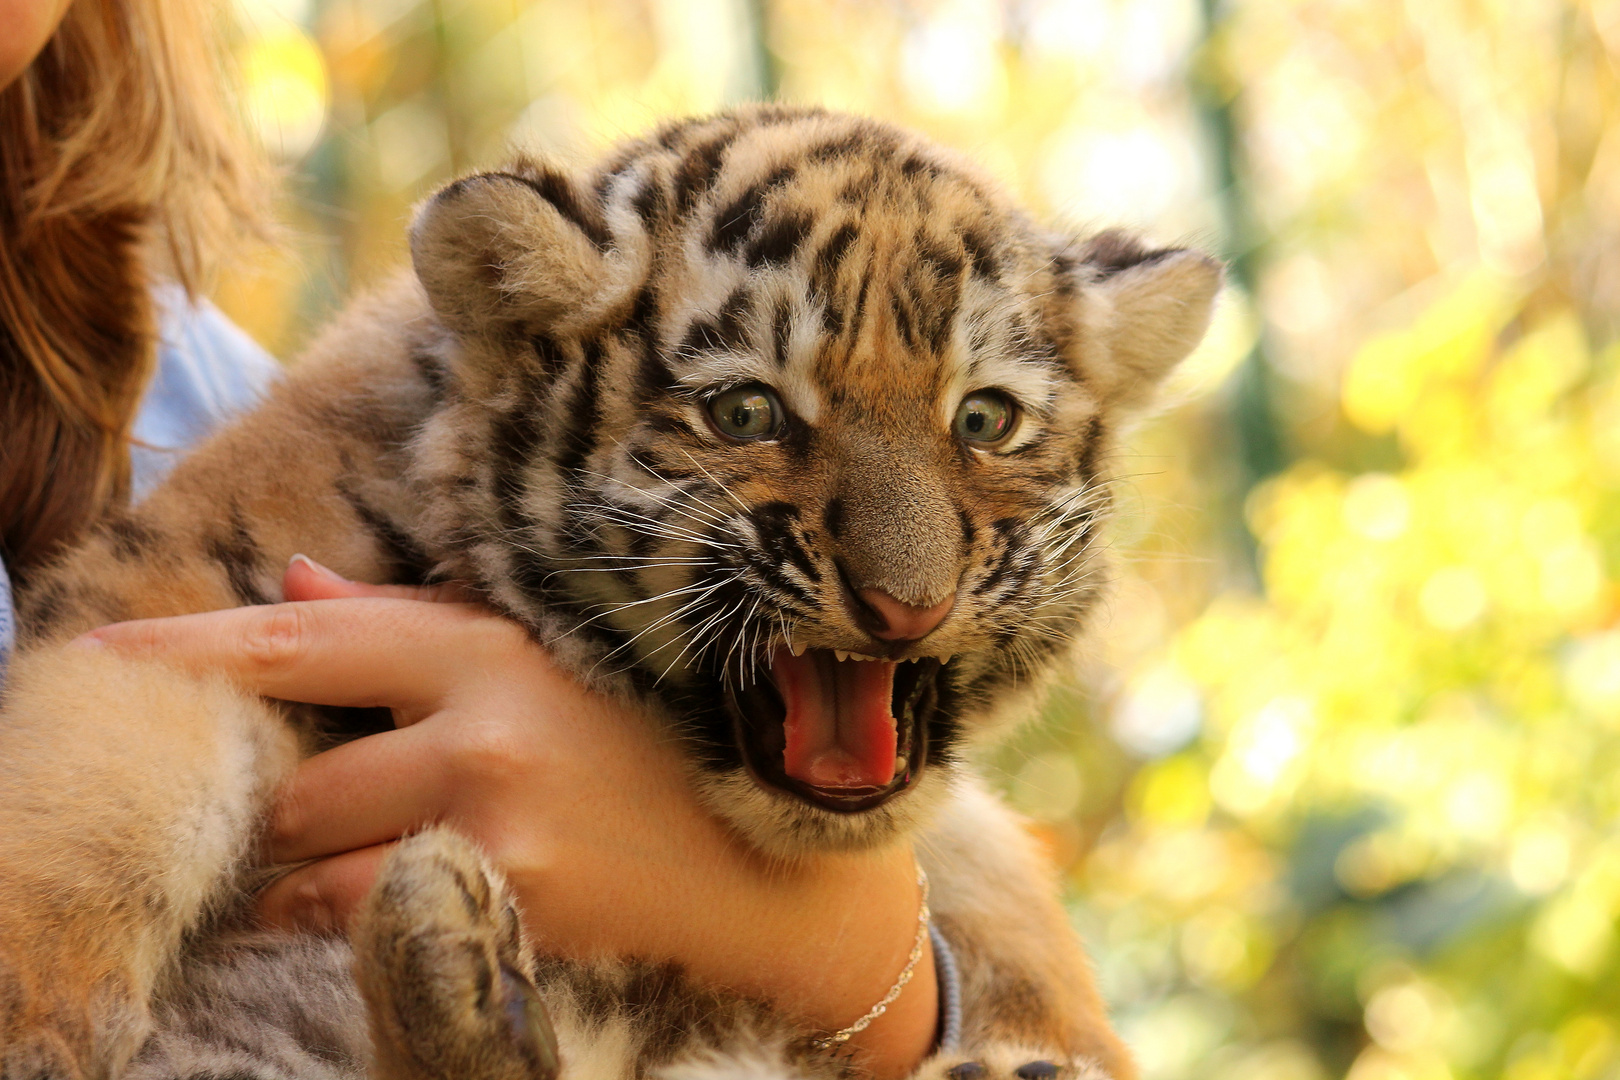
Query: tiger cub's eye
(746, 412)
(985, 416)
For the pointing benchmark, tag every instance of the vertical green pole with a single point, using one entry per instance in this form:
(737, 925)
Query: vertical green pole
(767, 71)
(1258, 448)
(322, 185)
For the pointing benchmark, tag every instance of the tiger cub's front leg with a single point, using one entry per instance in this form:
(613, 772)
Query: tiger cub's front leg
(1029, 1009)
(132, 793)
(455, 993)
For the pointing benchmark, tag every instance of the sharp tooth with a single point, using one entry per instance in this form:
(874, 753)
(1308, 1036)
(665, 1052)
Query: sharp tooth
(841, 654)
(796, 650)
(899, 765)
(946, 659)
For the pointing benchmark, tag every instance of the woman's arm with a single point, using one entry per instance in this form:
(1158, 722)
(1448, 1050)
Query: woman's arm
(587, 811)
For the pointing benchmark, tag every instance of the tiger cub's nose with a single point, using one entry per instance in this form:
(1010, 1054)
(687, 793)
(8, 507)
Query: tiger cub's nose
(901, 621)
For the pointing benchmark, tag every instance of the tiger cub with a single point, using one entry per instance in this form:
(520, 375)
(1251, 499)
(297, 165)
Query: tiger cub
(836, 419)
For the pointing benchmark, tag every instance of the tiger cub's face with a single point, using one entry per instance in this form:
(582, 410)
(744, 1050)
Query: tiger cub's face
(789, 419)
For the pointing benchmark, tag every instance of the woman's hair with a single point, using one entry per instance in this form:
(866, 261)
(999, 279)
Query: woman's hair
(120, 158)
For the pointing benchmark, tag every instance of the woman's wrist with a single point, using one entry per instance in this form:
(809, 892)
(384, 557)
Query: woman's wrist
(828, 941)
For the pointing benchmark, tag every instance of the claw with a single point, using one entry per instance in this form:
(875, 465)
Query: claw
(530, 1024)
(1036, 1070)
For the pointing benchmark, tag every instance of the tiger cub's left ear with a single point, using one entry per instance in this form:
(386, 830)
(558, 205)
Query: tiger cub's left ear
(511, 251)
(1141, 312)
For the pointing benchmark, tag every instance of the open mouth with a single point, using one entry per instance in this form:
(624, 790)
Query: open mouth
(843, 734)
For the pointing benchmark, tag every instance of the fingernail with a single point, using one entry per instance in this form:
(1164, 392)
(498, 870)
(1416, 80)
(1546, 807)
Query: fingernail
(325, 572)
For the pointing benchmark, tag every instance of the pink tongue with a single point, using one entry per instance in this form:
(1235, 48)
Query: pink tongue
(839, 730)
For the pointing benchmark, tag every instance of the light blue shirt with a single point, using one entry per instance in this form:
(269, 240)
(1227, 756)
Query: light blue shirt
(207, 371)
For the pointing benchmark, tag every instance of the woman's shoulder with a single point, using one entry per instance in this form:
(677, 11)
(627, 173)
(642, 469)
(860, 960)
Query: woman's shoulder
(208, 370)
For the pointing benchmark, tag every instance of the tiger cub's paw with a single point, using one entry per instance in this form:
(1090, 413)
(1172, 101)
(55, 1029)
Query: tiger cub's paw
(441, 962)
(1007, 1063)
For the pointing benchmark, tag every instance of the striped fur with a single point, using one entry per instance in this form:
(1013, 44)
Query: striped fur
(529, 414)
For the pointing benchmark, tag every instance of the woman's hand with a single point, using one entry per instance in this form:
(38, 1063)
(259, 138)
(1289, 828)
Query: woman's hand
(580, 801)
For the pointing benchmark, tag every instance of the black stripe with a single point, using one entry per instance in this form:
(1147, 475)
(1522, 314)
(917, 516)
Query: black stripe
(557, 190)
(831, 256)
(650, 201)
(832, 318)
(859, 315)
(39, 610)
(1063, 267)
(733, 325)
(643, 318)
(965, 522)
(779, 240)
(1006, 530)
(131, 539)
(775, 523)
(553, 360)
(698, 171)
(1114, 251)
(835, 149)
(945, 266)
(669, 136)
(938, 317)
(411, 564)
(584, 414)
(902, 321)
(781, 332)
(1090, 447)
(702, 336)
(429, 370)
(832, 518)
(1034, 446)
(512, 442)
(654, 379)
(980, 251)
(915, 165)
(239, 556)
(733, 224)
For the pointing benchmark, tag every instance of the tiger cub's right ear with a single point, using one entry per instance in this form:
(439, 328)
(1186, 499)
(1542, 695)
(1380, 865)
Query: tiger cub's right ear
(505, 252)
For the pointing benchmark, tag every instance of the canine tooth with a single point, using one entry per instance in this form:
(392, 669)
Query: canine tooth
(841, 655)
(796, 650)
(899, 763)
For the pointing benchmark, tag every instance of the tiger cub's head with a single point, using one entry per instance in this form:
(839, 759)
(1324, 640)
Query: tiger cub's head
(789, 421)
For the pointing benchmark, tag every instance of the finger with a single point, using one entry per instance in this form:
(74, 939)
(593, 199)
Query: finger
(362, 652)
(323, 896)
(306, 579)
(359, 794)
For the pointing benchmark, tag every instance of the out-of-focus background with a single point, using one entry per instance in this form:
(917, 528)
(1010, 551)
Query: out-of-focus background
(1337, 793)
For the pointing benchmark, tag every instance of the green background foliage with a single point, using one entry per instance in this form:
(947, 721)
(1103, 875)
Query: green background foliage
(1335, 788)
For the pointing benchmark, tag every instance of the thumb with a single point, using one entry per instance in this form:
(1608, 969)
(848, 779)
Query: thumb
(306, 579)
